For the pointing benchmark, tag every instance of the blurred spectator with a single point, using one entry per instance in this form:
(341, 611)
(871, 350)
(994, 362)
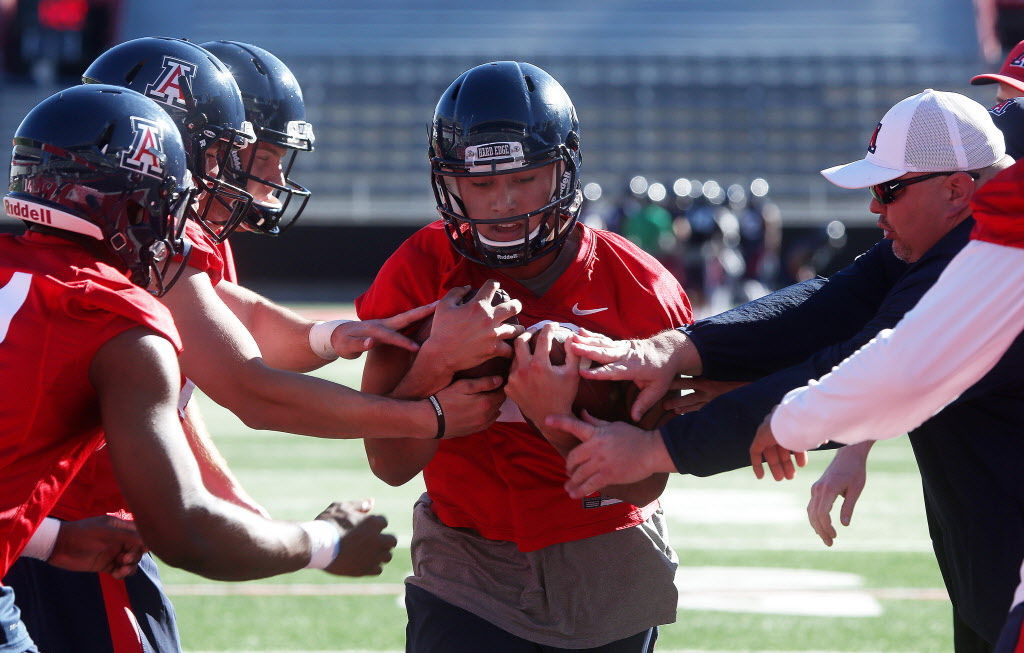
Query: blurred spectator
(1000, 26)
(52, 41)
(650, 225)
(723, 245)
(812, 252)
(634, 195)
(760, 237)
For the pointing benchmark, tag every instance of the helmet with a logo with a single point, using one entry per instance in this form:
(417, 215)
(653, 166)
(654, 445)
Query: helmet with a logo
(199, 94)
(106, 163)
(273, 104)
(500, 118)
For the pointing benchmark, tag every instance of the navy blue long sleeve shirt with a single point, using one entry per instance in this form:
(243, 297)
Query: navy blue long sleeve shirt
(971, 454)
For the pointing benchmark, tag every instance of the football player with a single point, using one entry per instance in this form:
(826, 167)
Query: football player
(503, 559)
(274, 106)
(99, 175)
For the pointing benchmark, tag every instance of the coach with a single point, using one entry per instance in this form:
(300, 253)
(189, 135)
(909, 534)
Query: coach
(925, 160)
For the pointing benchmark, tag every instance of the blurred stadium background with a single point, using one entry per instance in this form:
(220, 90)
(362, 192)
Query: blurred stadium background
(724, 91)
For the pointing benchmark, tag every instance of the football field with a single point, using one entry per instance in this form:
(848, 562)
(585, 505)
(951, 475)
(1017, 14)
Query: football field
(753, 576)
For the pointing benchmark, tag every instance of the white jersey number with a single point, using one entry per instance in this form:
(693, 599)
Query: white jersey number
(12, 297)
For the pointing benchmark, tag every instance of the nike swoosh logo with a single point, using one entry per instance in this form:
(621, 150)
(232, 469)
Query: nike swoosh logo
(576, 310)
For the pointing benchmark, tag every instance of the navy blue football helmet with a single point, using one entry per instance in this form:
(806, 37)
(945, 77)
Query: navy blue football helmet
(500, 118)
(273, 104)
(199, 94)
(105, 163)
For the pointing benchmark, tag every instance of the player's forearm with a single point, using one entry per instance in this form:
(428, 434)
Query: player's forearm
(281, 334)
(265, 398)
(217, 476)
(221, 541)
(640, 493)
(427, 374)
(397, 461)
(683, 355)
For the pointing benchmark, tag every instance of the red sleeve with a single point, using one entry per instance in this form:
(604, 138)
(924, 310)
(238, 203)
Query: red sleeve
(204, 255)
(228, 256)
(116, 306)
(407, 279)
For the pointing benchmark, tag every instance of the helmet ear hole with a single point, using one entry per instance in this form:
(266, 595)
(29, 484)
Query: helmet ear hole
(136, 214)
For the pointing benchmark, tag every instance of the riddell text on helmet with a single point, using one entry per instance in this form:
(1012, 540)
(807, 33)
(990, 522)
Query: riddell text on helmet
(25, 211)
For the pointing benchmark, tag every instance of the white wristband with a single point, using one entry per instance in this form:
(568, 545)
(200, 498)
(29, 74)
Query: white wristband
(320, 338)
(324, 542)
(43, 540)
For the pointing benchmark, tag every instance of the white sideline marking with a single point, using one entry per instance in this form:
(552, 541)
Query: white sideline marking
(732, 507)
(804, 592)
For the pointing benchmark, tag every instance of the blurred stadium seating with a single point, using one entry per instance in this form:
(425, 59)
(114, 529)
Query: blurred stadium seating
(727, 90)
(732, 89)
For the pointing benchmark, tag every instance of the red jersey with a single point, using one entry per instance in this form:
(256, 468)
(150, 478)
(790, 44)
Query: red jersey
(58, 306)
(997, 207)
(505, 482)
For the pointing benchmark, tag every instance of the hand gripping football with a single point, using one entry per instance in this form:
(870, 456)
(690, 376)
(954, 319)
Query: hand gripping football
(607, 400)
(497, 366)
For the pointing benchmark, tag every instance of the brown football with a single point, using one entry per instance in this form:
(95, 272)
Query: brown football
(497, 366)
(608, 400)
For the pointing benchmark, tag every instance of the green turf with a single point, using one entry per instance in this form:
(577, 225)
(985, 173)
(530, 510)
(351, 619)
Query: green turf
(717, 521)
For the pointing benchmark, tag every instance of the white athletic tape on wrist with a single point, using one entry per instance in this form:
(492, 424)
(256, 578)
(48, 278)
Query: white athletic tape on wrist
(43, 540)
(324, 542)
(320, 338)
(185, 396)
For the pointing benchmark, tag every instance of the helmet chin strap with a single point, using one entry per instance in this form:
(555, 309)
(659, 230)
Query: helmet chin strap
(501, 244)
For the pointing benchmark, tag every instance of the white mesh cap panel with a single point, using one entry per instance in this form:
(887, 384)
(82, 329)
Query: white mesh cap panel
(947, 134)
(979, 150)
(929, 146)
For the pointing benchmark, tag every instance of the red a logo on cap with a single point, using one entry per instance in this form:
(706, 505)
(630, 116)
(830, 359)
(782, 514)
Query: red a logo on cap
(146, 153)
(167, 89)
(872, 144)
(1019, 61)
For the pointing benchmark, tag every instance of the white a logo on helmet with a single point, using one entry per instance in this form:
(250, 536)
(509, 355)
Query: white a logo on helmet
(490, 157)
(168, 88)
(146, 152)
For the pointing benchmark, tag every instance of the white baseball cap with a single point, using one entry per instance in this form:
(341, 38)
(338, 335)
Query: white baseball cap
(933, 131)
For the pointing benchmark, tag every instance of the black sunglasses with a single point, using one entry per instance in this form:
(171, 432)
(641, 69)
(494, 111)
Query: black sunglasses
(885, 192)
